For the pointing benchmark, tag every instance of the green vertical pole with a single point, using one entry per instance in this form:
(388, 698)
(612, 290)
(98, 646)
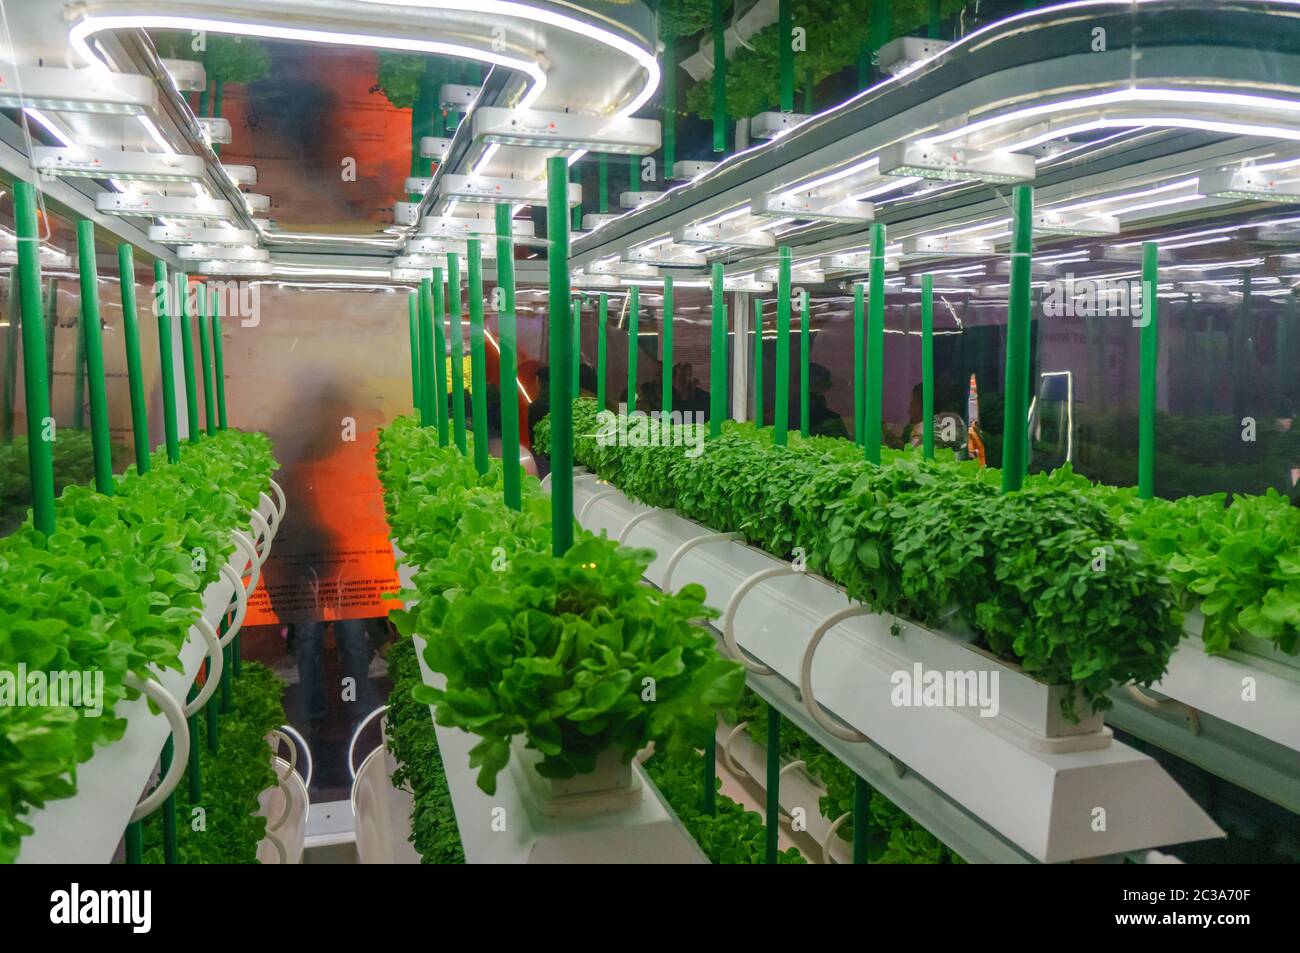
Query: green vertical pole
(718, 355)
(666, 401)
(511, 489)
(51, 326)
(719, 79)
(781, 409)
(427, 417)
(457, 347)
(880, 28)
(602, 320)
(218, 366)
(40, 458)
(227, 675)
(9, 373)
(861, 819)
(1150, 355)
(669, 103)
(413, 326)
(575, 362)
(440, 360)
(936, 20)
(187, 359)
(92, 334)
(477, 356)
(170, 854)
(633, 340)
(134, 367)
(758, 363)
(785, 56)
(805, 357)
(79, 382)
(575, 174)
(602, 180)
(166, 361)
(773, 786)
(873, 388)
(927, 366)
(194, 772)
(210, 709)
(561, 356)
(859, 365)
(205, 362)
(135, 843)
(1015, 429)
(709, 778)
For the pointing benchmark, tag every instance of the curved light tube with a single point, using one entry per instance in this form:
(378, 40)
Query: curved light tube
(352, 745)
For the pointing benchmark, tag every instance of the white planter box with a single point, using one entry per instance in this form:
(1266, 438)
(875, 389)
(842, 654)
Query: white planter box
(612, 786)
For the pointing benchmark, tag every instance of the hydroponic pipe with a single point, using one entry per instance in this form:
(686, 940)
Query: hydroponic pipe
(205, 360)
(602, 320)
(92, 334)
(218, 367)
(167, 362)
(134, 367)
(36, 388)
(719, 79)
(187, 359)
(440, 360)
(633, 336)
(477, 356)
(861, 818)
(561, 347)
(427, 416)
(1149, 357)
(666, 401)
(718, 355)
(781, 409)
(859, 365)
(510, 486)
(772, 792)
(457, 347)
(805, 348)
(927, 366)
(413, 325)
(758, 363)
(1015, 429)
(873, 388)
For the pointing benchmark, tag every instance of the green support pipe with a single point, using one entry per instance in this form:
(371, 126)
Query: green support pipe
(92, 334)
(575, 174)
(9, 373)
(166, 360)
(861, 819)
(457, 347)
(805, 359)
(187, 358)
(1148, 361)
(785, 53)
(79, 382)
(561, 356)
(781, 409)
(669, 103)
(218, 367)
(666, 400)
(758, 363)
(709, 779)
(927, 366)
(477, 356)
(719, 79)
(36, 387)
(413, 326)
(936, 20)
(772, 791)
(440, 359)
(51, 304)
(210, 710)
(873, 417)
(227, 676)
(510, 485)
(575, 363)
(602, 180)
(134, 365)
(135, 843)
(859, 365)
(205, 360)
(1015, 428)
(427, 416)
(718, 355)
(170, 854)
(633, 341)
(602, 322)
(194, 770)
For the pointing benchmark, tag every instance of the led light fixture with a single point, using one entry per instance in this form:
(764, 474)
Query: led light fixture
(75, 90)
(687, 169)
(812, 208)
(419, 262)
(720, 235)
(164, 206)
(241, 174)
(747, 283)
(200, 235)
(216, 131)
(624, 269)
(666, 255)
(407, 274)
(954, 164)
(944, 247)
(1071, 224)
(1250, 185)
(854, 261)
(417, 185)
(406, 213)
(904, 53)
(235, 268)
(256, 202)
(50, 257)
(580, 280)
(638, 199)
(809, 275)
(1129, 253)
(593, 220)
(222, 253)
(557, 130)
(457, 97)
(188, 76)
(769, 125)
(444, 226)
(109, 164)
(478, 188)
(434, 147)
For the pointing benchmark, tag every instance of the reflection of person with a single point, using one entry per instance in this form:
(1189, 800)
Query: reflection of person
(688, 396)
(354, 654)
(913, 433)
(821, 419)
